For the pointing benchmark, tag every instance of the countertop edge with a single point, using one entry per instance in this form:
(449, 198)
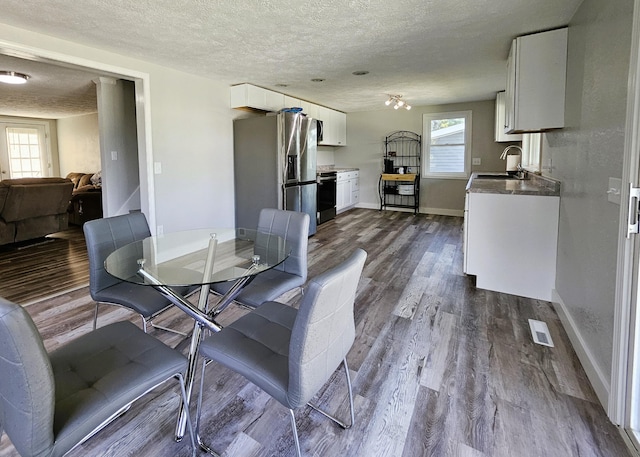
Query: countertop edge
(533, 185)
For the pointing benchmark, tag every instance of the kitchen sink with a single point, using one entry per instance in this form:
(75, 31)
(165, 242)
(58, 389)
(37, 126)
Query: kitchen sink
(495, 176)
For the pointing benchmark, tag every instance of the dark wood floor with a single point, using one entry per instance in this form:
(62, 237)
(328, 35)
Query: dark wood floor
(439, 368)
(35, 269)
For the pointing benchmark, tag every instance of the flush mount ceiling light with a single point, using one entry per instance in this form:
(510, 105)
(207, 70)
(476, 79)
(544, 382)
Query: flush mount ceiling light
(397, 102)
(13, 77)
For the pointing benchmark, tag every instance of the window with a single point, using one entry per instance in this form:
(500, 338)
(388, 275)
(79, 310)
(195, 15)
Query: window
(23, 151)
(447, 144)
(531, 147)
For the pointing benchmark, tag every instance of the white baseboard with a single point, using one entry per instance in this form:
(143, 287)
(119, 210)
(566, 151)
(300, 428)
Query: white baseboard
(443, 211)
(421, 210)
(599, 381)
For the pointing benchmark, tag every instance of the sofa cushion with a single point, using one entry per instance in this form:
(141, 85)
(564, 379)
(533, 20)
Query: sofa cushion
(28, 181)
(35, 197)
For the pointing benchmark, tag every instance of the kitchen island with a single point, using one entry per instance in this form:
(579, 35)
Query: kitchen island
(510, 233)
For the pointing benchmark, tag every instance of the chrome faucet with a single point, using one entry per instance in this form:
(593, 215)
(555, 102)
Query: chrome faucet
(504, 154)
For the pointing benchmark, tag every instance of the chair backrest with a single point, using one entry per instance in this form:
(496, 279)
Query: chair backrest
(103, 236)
(324, 329)
(27, 388)
(294, 228)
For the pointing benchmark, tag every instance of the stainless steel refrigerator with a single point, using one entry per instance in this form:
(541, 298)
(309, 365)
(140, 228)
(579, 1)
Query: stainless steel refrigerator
(275, 166)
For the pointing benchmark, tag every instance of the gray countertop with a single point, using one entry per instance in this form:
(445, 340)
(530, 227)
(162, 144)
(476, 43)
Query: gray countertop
(533, 185)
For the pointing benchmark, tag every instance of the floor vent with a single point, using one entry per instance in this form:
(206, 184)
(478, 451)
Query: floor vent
(540, 333)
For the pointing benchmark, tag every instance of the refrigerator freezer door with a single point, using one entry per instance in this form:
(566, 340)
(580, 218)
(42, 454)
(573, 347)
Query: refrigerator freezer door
(302, 199)
(309, 204)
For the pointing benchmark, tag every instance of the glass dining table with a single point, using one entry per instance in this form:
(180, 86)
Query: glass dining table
(197, 258)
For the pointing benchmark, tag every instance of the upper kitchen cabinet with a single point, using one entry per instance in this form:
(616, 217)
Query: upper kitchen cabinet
(334, 127)
(536, 74)
(250, 97)
(500, 135)
(254, 97)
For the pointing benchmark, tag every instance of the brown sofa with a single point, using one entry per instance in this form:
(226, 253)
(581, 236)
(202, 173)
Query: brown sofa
(86, 200)
(33, 207)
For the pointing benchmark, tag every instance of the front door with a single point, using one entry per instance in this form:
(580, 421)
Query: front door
(24, 152)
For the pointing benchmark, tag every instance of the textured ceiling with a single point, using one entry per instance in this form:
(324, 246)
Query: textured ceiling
(430, 51)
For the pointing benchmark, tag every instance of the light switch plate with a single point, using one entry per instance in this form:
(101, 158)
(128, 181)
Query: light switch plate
(476, 161)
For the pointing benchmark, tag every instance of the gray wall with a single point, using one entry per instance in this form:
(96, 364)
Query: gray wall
(117, 120)
(79, 144)
(365, 147)
(583, 156)
(190, 132)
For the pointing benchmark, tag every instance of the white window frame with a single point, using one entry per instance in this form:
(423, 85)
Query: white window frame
(45, 141)
(426, 144)
(531, 151)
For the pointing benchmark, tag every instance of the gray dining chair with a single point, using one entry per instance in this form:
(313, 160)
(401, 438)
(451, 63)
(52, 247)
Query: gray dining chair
(50, 403)
(289, 353)
(293, 227)
(103, 236)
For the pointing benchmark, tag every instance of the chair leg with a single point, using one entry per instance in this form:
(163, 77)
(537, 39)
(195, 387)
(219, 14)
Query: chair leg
(334, 419)
(95, 317)
(295, 432)
(201, 444)
(185, 402)
(167, 329)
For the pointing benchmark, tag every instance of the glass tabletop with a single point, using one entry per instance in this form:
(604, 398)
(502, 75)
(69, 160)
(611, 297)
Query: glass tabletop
(178, 259)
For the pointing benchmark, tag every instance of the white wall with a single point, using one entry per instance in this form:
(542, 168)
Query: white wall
(78, 144)
(366, 132)
(584, 155)
(190, 132)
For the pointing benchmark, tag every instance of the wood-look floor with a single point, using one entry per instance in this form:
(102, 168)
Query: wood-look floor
(439, 368)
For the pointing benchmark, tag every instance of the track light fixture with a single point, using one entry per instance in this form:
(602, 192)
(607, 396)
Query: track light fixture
(397, 102)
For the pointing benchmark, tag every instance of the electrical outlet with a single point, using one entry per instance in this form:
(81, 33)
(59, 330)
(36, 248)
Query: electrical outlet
(160, 230)
(114, 155)
(157, 168)
(476, 161)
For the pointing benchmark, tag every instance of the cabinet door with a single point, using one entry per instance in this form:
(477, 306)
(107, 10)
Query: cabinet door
(342, 195)
(339, 120)
(324, 114)
(500, 135)
(291, 102)
(248, 95)
(536, 82)
(273, 101)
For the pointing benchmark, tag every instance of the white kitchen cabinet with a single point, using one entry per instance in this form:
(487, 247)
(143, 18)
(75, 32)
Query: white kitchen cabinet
(309, 109)
(500, 135)
(250, 96)
(347, 190)
(340, 120)
(536, 75)
(292, 102)
(510, 243)
(335, 127)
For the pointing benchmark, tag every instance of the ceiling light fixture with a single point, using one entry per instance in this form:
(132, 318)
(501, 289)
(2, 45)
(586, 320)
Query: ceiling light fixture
(13, 77)
(397, 102)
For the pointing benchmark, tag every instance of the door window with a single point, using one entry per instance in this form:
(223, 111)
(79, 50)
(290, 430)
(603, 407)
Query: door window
(23, 151)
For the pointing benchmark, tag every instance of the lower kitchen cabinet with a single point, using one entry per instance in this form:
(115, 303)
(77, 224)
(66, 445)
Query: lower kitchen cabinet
(510, 243)
(348, 190)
